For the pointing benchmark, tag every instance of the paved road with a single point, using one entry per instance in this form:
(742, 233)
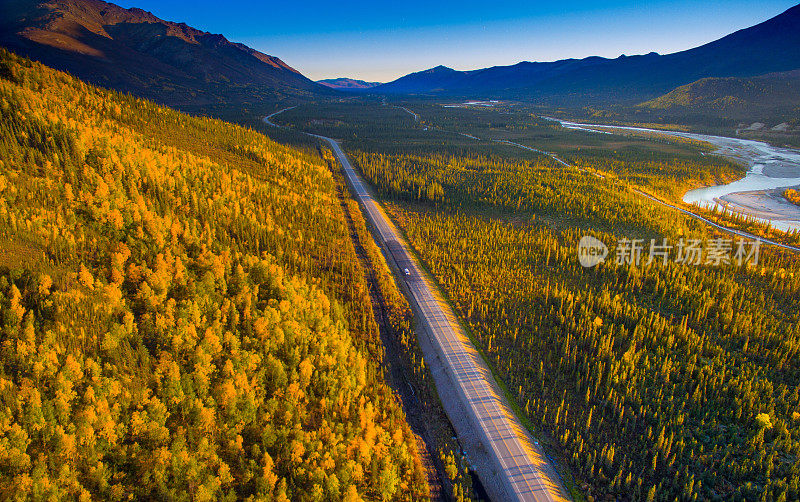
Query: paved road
(511, 466)
(268, 118)
(520, 470)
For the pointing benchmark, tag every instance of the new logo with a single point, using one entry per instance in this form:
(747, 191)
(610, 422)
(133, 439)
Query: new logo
(591, 251)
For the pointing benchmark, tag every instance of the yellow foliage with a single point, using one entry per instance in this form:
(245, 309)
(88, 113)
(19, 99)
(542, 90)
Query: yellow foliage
(85, 277)
(195, 285)
(793, 196)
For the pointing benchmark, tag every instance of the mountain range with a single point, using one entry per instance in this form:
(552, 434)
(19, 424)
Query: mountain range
(345, 83)
(771, 46)
(133, 51)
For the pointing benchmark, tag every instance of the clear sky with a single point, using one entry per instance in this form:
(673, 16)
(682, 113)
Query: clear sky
(384, 40)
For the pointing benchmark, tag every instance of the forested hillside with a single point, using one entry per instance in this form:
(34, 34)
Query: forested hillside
(182, 315)
(775, 96)
(657, 381)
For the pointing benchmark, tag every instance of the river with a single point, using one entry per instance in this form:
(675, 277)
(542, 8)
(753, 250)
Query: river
(759, 194)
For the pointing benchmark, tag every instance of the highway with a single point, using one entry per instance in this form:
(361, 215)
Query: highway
(509, 463)
(517, 468)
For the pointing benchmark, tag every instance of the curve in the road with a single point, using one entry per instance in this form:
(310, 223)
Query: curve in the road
(268, 118)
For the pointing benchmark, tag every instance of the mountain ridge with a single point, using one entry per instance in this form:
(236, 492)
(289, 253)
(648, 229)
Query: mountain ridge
(770, 46)
(132, 50)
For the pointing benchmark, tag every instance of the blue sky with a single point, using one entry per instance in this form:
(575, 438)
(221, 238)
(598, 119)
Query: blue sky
(383, 41)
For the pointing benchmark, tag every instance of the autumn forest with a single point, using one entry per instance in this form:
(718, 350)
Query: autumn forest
(182, 316)
(548, 281)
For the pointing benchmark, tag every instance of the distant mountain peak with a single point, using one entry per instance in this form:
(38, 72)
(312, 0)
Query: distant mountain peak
(441, 69)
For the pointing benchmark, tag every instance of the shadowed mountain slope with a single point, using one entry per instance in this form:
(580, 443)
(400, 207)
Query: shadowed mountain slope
(131, 50)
